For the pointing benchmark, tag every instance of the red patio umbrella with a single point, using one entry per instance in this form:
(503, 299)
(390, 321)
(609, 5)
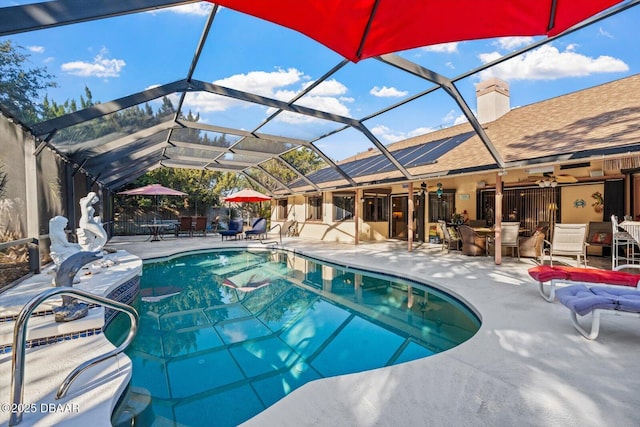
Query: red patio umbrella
(359, 29)
(247, 195)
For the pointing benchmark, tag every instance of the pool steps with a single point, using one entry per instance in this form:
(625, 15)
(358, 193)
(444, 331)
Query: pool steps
(55, 349)
(43, 329)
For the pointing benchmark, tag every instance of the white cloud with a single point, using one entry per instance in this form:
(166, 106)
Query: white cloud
(36, 49)
(460, 119)
(102, 66)
(442, 48)
(388, 136)
(327, 88)
(264, 83)
(200, 9)
(387, 92)
(602, 32)
(280, 84)
(548, 63)
(449, 116)
(512, 43)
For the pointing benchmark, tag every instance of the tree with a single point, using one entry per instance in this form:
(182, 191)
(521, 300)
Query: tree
(20, 87)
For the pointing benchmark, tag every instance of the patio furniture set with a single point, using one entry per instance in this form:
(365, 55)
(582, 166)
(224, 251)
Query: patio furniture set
(258, 229)
(478, 240)
(591, 290)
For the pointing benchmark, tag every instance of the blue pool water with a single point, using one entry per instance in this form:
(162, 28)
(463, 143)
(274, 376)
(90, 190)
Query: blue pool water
(210, 354)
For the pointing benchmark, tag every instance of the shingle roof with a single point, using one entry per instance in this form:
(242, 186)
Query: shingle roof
(593, 122)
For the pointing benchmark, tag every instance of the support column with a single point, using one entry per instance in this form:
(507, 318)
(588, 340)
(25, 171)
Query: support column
(410, 209)
(356, 215)
(498, 221)
(31, 186)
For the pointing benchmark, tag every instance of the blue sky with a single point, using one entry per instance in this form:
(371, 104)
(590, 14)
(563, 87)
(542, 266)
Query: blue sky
(119, 56)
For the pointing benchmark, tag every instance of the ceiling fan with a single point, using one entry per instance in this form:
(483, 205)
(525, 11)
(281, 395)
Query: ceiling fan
(550, 180)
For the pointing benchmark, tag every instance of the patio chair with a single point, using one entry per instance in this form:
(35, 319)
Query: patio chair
(511, 237)
(622, 245)
(568, 240)
(531, 247)
(200, 225)
(472, 243)
(235, 228)
(258, 228)
(185, 225)
(450, 237)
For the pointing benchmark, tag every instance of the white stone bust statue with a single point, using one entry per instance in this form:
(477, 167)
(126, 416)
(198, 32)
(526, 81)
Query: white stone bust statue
(91, 235)
(60, 248)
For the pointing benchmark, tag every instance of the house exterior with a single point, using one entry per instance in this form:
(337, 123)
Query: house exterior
(573, 158)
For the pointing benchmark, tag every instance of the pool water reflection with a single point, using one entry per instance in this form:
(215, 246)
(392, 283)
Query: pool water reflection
(208, 351)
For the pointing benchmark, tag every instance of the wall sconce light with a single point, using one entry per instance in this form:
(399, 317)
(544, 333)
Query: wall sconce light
(423, 188)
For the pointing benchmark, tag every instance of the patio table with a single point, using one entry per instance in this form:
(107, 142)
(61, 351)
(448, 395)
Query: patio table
(154, 230)
(633, 228)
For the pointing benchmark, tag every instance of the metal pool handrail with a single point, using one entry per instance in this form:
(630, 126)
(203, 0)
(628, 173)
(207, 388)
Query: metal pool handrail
(20, 338)
(271, 229)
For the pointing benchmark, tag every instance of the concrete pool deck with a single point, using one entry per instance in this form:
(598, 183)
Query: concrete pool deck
(526, 366)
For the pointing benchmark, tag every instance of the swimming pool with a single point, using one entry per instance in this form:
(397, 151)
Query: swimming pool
(209, 349)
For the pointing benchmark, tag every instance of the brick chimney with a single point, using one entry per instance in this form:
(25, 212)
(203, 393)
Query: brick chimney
(493, 99)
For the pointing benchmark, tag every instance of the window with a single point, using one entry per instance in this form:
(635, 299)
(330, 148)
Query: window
(314, 208)
(281, 209)
(442, 207)
(343, 206)
(375, 208)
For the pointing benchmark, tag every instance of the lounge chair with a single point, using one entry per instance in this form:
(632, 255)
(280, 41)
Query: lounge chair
(258, 228)
(582, 276)
(582, 300)
(568, 240)
(235, 228)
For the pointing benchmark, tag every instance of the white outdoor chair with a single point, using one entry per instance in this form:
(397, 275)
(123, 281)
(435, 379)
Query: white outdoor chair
(621, 241)
(568, 240)
(511, 237)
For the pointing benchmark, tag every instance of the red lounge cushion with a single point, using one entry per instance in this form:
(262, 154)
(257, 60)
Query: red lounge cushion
(605, 277)
(544, 273)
